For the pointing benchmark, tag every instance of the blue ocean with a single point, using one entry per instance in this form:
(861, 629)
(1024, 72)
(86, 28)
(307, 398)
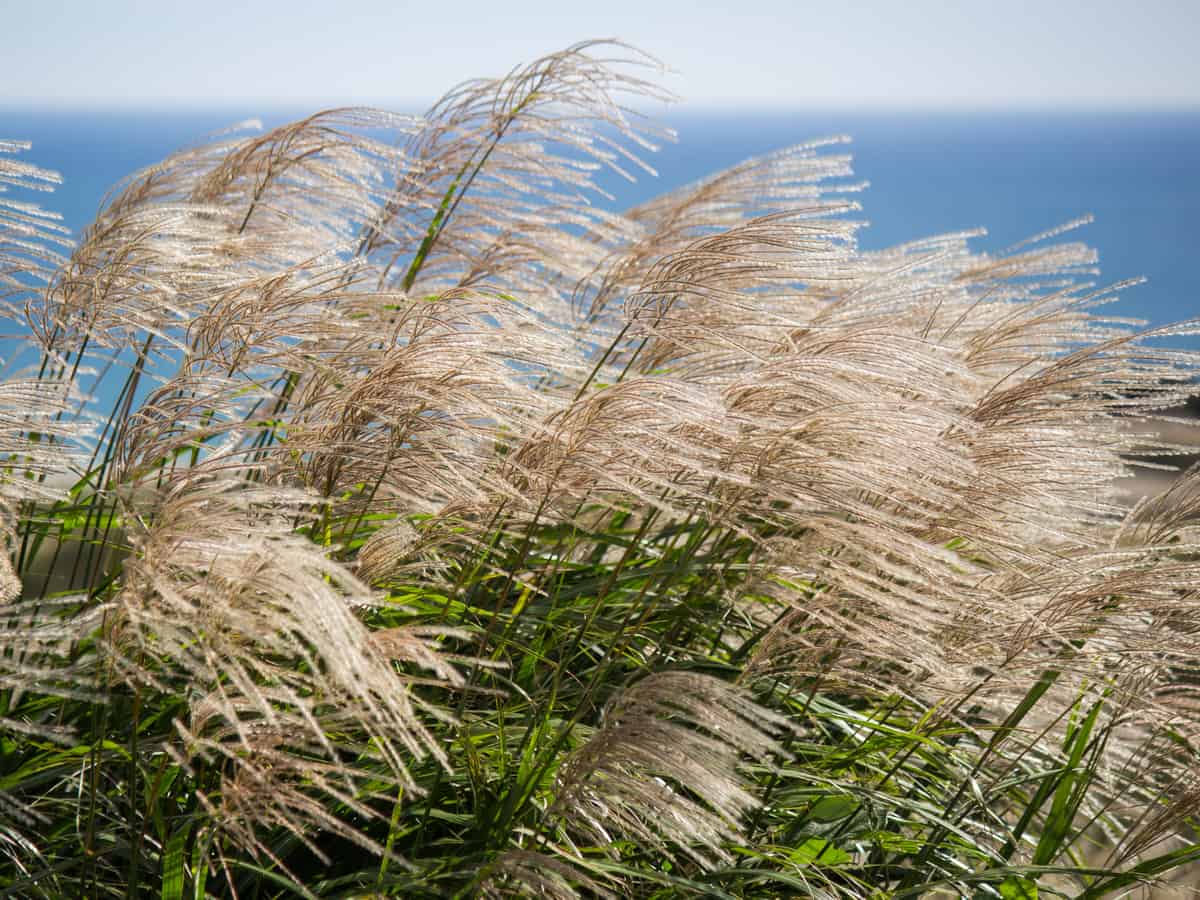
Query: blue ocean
(1013, 173)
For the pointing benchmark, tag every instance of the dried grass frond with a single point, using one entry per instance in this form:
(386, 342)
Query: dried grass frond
(497, 181)
(527, 873)
(662, 769)
(224, 602)
(786, 181)
(32, 239)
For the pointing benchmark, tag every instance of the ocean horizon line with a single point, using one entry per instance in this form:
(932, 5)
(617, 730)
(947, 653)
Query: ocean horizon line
(682, 108)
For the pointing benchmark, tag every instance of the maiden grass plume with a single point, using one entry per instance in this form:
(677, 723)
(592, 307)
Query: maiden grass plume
(385, 517)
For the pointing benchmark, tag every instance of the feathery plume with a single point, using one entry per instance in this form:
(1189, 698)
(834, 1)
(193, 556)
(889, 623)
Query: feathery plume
(662, 768)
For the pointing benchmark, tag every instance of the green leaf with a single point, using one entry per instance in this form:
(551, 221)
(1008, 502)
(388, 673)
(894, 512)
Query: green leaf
(200, 865)
(1068, 793)
(172, 866)
(1143, 871)
(818, 851)
(1014, 887)
(1032, 696)
(832, 809)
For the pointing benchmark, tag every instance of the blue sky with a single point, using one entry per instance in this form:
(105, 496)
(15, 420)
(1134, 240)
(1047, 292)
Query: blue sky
(762, 53)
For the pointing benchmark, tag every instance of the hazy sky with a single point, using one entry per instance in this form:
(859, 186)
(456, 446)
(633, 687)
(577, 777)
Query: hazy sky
(768, 53)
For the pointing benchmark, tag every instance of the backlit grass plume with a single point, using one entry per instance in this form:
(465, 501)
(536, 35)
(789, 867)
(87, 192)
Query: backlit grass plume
(386, 517)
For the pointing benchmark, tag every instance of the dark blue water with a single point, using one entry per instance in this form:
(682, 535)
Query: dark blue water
(1014, 173)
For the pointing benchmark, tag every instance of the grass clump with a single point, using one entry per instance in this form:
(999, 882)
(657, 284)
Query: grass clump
(386, 519)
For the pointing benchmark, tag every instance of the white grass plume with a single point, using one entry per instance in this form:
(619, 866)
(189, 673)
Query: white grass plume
(663, 766)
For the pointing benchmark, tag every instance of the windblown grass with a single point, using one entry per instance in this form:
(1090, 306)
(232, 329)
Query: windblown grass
(387, 518)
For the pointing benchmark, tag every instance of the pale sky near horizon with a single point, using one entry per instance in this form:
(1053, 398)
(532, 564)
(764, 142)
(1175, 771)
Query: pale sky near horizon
(765, 53)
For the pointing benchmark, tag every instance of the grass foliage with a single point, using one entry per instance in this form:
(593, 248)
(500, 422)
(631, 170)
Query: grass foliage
(386, 518)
